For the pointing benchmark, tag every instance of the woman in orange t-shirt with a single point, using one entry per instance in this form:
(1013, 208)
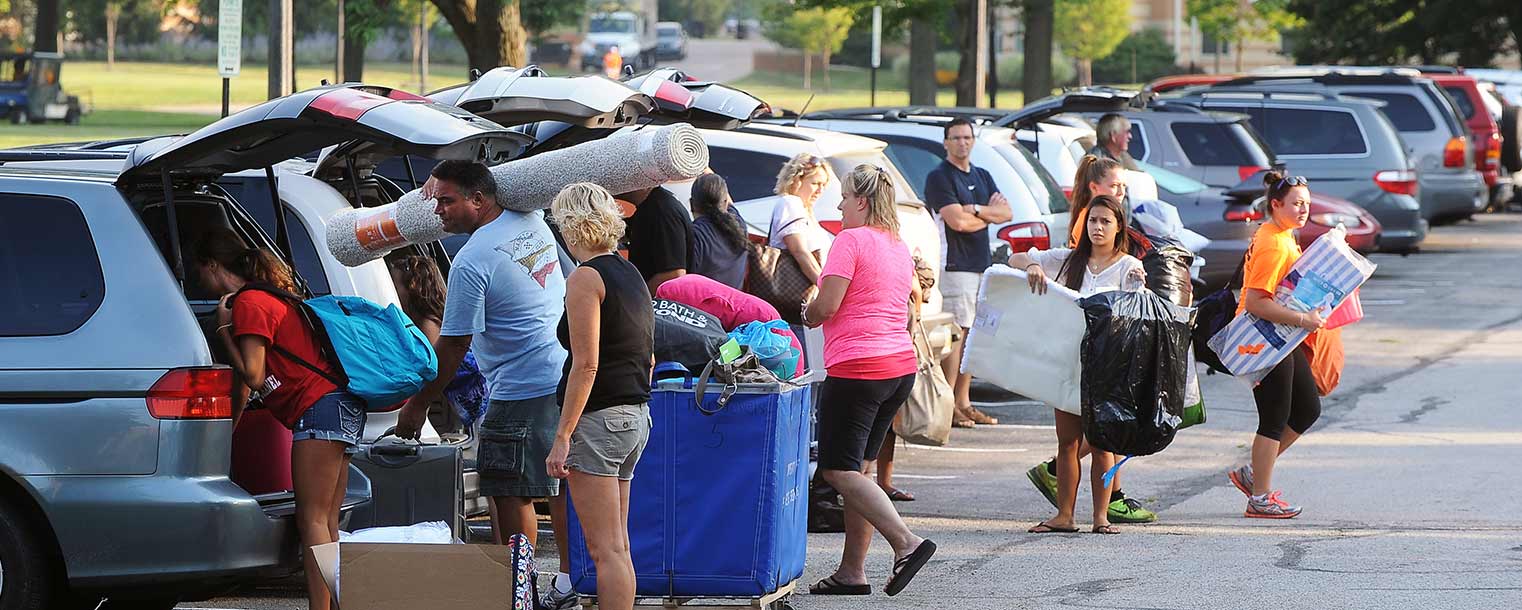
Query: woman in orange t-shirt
(1288, 400)
(1095, 176)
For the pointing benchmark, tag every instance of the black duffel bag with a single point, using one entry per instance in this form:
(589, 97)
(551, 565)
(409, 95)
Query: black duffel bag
(686, 335)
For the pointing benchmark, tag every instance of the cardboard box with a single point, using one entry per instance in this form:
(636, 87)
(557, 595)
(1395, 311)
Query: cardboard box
(389, 576)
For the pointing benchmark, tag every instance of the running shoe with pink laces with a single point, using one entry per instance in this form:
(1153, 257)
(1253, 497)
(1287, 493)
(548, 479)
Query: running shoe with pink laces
(1271, 506)
(1241, 478)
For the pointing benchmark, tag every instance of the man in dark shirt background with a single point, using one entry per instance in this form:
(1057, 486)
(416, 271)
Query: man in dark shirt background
(966, 202)
(659, 235)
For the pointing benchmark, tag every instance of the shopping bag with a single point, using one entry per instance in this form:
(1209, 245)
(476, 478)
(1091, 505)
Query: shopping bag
(1194, 401)
(1324, 276)
(1350, 311)
(776, 278)
(925, 418)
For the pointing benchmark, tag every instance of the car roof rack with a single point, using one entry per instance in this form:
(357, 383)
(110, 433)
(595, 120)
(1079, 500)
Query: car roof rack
(26, 155)
(909, 114)
(1330, 76)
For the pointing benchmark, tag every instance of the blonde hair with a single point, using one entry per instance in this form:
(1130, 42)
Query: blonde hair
(873, 184)
(587, 216)
(796, 168)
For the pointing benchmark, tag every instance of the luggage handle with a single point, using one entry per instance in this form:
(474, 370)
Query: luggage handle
(402, 449)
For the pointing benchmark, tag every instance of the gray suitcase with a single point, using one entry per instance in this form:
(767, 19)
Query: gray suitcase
(410, 483)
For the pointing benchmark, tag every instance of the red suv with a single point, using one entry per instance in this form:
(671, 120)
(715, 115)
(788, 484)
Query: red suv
(1465, 91)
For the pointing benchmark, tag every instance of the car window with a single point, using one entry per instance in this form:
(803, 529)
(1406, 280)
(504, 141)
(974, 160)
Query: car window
(50, 276)
(1036, 178)
(1305, 131)
(253, 195)
(1403, 109)
(1171, 181)
(1462, 101)
(750, 175)
(915, 158)
(1138, 146)
(1219, 144)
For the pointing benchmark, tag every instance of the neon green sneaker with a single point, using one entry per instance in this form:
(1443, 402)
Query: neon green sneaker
(1045, 482)
(1127, 510)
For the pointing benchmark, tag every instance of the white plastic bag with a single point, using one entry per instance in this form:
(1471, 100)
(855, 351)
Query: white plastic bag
(430, 532)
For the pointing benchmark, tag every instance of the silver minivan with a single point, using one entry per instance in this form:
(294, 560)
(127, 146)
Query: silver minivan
(114, 413)
(1436, 141)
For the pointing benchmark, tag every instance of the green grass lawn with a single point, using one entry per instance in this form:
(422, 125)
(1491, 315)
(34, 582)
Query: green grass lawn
(137, 99)
(849, 88)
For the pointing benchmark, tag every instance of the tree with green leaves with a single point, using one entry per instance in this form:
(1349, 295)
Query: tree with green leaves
(364, 20)
(1237, 21)
(822, 32)
(540, 16)
(490, 30)
(1141, 57)
(924, 20)
(1402, 31)
(1088, 30)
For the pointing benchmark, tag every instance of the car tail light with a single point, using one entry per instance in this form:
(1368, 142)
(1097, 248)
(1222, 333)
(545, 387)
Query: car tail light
(833, 226)
(672, 97)
(1245, 171)
(1492, 160)
(1453, 152)
(1244, 214)
(1398, 181)
(193, 393)
(1332, 219)
(1026, 235)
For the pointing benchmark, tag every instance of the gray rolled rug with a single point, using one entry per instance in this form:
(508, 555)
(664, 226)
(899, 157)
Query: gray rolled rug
(627, 161)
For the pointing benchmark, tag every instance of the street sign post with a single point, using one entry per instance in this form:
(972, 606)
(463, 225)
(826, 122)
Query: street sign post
(877, 47)
(229, 46)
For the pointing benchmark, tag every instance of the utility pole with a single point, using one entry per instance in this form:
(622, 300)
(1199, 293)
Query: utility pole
(282, 45)
(980, 78)
(338, 62)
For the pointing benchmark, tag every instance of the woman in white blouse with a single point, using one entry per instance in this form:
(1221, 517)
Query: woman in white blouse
(793, 227)
(1098, 263)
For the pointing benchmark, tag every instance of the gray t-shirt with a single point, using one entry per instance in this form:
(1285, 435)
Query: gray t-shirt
(506, 288)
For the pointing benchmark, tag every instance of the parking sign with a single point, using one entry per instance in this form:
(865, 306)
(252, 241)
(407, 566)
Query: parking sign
(230, 38)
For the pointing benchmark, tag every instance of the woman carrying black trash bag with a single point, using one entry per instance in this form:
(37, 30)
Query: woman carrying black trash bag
(264, 334)
(1288, 400)
(867, 285)
(608, 327)
(1098, 263)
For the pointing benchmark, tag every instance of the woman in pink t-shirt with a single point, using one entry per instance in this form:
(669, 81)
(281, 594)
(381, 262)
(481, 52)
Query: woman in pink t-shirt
(864, 293)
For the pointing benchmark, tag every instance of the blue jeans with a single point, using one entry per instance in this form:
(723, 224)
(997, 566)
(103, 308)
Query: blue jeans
(337, 416)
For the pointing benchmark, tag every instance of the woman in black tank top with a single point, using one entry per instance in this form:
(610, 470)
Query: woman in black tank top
(608, 327)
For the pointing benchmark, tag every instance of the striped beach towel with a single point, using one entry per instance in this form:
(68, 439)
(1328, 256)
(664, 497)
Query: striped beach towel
(1322, 278)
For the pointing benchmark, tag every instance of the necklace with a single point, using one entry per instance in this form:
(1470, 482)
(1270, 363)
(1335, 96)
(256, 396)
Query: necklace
(1105, 263)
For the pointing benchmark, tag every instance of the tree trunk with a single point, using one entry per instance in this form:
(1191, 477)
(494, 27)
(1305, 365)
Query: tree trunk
(1085, 72)
(1039, 17)
(500, 39)
(45, 38)
(354, 58)
(922, 41)
(825, 61)
(422, 86)
(113, 13)
(808, 70)
(417, 51)
(1241, 43)
(967, 47)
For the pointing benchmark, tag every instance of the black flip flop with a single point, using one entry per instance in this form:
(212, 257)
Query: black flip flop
(905, 569)
(830, 586)
(1047, 528)
(899, 495)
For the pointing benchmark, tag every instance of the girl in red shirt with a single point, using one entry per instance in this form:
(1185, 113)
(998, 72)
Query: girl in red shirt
(273, 354)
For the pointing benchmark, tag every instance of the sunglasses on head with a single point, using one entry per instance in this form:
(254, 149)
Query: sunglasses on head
(1290, 181)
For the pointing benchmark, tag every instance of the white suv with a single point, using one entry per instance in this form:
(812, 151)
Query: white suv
(750, 157)
(915, 139)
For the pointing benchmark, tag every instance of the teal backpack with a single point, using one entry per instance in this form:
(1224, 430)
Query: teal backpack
(379, 355)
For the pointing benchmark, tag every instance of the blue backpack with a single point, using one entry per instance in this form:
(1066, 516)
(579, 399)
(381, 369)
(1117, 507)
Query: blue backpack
(379, 355)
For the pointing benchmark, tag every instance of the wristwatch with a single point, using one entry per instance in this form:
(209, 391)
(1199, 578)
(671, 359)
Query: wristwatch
(975, 211)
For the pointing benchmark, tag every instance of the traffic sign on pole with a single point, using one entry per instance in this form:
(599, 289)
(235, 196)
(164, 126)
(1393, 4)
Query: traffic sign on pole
(230, 38)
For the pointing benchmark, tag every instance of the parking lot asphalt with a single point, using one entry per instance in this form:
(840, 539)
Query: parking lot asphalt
(1404, 480)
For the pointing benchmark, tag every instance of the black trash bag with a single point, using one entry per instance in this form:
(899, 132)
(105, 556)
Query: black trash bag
(1167, 266)
(686, 335)
(1134, 357)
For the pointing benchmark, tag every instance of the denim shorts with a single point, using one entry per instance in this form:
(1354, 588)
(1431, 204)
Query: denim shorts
(609, 442)
(337, 416)
(515, 438)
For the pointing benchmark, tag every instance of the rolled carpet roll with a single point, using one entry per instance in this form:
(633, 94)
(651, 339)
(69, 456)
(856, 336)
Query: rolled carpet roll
(627, 161)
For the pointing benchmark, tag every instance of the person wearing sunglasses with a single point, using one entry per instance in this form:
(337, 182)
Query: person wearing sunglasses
(794, 228)
(966, 202)
(1288, 400)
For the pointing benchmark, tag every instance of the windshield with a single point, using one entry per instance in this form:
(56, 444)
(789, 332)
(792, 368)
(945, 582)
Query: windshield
(668, 31)
(608, 24)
